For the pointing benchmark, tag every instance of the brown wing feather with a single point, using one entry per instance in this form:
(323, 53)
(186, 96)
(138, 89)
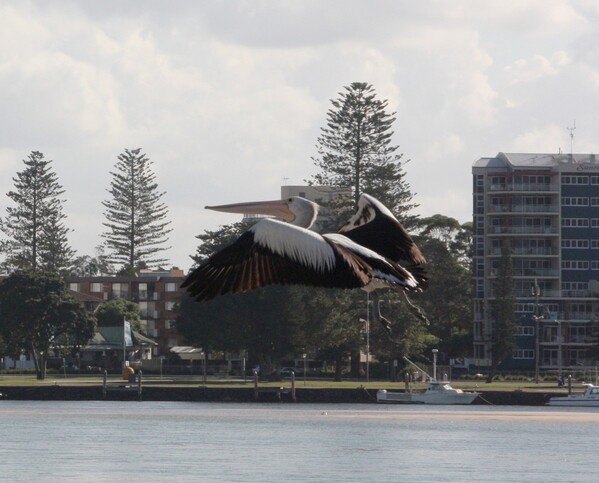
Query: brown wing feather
(246, 265)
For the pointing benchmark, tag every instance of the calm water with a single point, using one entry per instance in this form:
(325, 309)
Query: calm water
(181, 442)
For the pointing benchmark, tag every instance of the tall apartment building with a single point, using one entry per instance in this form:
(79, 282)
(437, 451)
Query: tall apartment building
(547, 207)
(156, 293)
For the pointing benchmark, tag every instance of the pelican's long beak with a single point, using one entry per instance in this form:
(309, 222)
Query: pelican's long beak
(276, 208)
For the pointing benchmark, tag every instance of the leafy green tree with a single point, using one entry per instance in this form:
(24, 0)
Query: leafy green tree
(264, 321)
(447, 301)
(503, 308)
(135, 215)
(114, 312)
(34, 226)
(87, 266)
(355, 152)
(37, 313)
(331, 333)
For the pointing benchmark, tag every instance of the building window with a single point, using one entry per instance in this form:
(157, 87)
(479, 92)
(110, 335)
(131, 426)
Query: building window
(575, 243)
(524, 330)
(479, 246)
(579, 311)
(480, 205)
(120, 290)
(574, 286)
(575, 201)
(170, 287)
(575, 222)
(479, 290)
(594, 222)
(577, 334)
(575, 179)
(479, 185)
(524, 354)
(575, 265)
(498, 183)
(169, 305)
(96, 287)
(74, 286)
(169, 324)
(595, 265)
(533, 182)
(479, 225)
(595, 244)
(526, 308)
(594, 179)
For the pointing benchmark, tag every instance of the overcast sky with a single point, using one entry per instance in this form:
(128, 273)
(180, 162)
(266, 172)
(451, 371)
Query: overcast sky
(227, 97)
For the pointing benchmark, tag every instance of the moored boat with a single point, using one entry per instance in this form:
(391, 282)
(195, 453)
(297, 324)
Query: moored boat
(590, 398)
(435, 393)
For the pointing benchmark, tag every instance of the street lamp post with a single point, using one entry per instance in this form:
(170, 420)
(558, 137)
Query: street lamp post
(536, 292)
(304, 357)
(435, 352)
(559, 348)
(367, 337)
(243, 366)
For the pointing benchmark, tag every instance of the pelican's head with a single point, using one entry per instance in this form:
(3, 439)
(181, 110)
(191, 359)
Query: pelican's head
(295, 210)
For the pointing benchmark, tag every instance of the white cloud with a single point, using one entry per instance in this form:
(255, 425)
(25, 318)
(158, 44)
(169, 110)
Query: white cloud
(449, 145)
(227, 98)
(537, 67)
(548, 138)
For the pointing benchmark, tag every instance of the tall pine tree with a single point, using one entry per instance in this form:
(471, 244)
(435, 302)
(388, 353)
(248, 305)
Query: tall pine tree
(137, 230)
(356, 152)
(502, 309)
(34, 226)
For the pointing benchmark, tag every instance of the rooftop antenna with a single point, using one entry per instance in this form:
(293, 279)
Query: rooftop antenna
(571, 129)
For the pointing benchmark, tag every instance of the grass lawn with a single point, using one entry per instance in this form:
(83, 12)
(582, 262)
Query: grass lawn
(177, 381)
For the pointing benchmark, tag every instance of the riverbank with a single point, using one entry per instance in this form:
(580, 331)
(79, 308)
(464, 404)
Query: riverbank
(150, 392)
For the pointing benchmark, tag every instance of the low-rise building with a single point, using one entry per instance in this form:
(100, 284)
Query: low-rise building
(155, 291)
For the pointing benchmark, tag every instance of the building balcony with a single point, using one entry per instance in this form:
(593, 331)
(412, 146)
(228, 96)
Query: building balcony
(521, 209)
(579, 294)
(553, 363)
(524, 187)
(542, 251)
(577, 316)
(546, 293)
(523, 230)
(529, 272)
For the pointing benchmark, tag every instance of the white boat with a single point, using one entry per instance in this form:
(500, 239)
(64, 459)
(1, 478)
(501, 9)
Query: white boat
(590, 398)
(435, 393)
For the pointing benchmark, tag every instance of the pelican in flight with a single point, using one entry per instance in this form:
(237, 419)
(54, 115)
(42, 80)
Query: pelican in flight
(371, 251)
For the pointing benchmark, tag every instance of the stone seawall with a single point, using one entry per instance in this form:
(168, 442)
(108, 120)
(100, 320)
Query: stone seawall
(210, 394)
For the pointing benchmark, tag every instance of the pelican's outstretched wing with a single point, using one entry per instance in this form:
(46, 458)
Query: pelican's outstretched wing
(375, 227)
(272, 252)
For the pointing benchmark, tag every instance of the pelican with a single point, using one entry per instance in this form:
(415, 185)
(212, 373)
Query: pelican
(368, 252)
